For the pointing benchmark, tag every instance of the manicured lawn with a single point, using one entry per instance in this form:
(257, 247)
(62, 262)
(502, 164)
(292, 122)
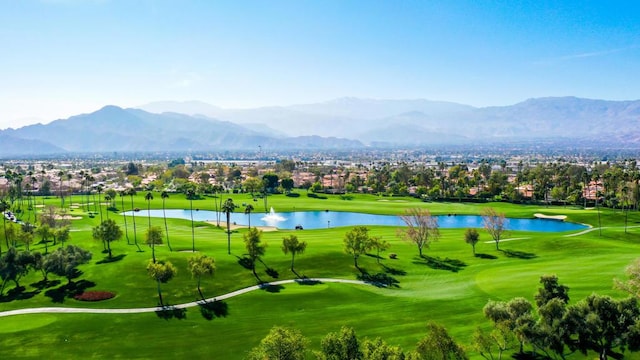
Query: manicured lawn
(450, 286)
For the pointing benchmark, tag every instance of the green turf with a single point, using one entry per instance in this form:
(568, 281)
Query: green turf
(450, 289)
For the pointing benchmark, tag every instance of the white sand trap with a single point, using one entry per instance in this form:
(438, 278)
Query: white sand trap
(68, 217)
(551, 217)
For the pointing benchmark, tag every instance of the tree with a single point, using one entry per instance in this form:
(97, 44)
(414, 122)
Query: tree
(190, 195)
(122, 194)
(252, 185)
(4, 206)
(438, 344)
(471, 237)
(165, 195)
(380, 245)
(254, 248)
(280, 344)
(342, 345)
(551, 289)
(61, 234)
(132, 192)
(287, 184)
(228, 207)
(153, 236)
(494, 223)
(378, 349)
(247, 210)
(422, 228)
(357, 242)
(65, 261)
(13, 265)
(107, 232)
(201, 265)
(632, 285)
(161, 272)
(148, 197)
(44, 231)
(291, 244)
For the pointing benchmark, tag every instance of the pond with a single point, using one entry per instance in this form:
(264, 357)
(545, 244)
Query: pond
(325, 219)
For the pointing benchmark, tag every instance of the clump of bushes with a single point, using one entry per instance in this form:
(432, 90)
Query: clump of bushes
(94, 296)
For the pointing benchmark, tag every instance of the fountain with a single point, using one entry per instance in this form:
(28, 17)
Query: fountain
(272, 218)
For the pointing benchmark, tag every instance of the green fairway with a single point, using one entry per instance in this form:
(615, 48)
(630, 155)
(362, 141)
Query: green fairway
(449, 286)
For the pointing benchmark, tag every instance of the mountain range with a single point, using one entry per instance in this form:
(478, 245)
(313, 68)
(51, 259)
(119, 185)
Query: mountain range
(345, 123)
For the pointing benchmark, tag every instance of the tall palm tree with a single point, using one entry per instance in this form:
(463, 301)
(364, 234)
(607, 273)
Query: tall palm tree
(132, 192)
(164, 195)
(122, 194)
(108, 199)
(247, 210)
(99, 189)
(191, 194)
(60, 175)
(148, 197)
(228, 208)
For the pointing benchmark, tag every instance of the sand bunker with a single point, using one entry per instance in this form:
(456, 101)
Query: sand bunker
(551, 217)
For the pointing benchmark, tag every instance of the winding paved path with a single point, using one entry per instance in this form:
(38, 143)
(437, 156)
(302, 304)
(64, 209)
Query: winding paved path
(56, 310)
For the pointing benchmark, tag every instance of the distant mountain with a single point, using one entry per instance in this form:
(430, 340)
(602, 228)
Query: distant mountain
(419, 121)
(115, 129)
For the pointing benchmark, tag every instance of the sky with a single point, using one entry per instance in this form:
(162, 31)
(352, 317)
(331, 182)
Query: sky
(60, 58)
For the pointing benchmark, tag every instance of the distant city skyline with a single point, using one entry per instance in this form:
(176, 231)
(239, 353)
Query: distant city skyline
(67, 57)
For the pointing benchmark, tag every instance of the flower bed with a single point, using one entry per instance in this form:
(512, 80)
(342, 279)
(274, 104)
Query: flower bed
(94, 296)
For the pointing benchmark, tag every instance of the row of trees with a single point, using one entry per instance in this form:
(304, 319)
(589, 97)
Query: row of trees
(556, 329)
(282, 343)
(63, 262)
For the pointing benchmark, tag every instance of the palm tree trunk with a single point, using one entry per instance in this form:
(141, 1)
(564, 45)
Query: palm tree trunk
(193, 234)
(160, 294)
(126, 228)
(133, 219)
(166, 228)
(229, 234)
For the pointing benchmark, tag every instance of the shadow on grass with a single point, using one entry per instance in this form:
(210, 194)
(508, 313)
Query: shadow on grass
(519, 254)
(374, 256)
(271, 288)
(272, 272)
(18, 293)
(112, 259)
(43, 284)
(307, 281)
(213, 309)
(378, 279)
(486, 256)
(245, 262)
(169, 312)
(69, 290)
(437, 263)
(394, 271)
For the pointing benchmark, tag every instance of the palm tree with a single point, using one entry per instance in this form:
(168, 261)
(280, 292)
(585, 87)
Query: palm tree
(108, 199)
(248, 210)
(99, 189)
(164, 195)
(60, 175)
(122, 194)
(228, 208)
(148, 197)
(4, 206)
(191, 194)
(132, 192)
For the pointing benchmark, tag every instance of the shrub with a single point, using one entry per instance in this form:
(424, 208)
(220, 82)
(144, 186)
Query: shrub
(393, 256)
(94, 296)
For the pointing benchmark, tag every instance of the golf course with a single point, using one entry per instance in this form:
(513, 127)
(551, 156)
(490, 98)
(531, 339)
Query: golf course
(391, 295)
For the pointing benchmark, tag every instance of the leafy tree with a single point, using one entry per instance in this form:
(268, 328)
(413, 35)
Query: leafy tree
(165, 195)
(380, 245)
(25, 236)
(228, 207)
(65, 261)
(270, 181)
(291, 244)
(153, 236)
(551, 289)
(252, 185)
(280, 344)
(44, 231)
(340, 345)
(438, 344)
(421, 228)
(13, 265)
(40, 263)
(107, 232)
(471, 237)
(494, 223)
(201, 265)
(357, 242)
(61, 234)
(632, 285)
(378, 349)
(287, 184)
(161, 272)
(254, 248)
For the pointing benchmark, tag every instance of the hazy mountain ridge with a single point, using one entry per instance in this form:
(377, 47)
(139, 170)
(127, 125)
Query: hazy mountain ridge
(401, 121)
(345, 123)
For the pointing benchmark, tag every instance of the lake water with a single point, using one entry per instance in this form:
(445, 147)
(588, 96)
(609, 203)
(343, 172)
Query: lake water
(324, 219)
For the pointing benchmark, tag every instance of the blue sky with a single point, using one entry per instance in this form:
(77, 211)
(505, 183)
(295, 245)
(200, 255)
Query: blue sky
(64, 57)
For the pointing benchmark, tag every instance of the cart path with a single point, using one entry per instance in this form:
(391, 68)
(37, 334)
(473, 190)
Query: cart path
(57, 310)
